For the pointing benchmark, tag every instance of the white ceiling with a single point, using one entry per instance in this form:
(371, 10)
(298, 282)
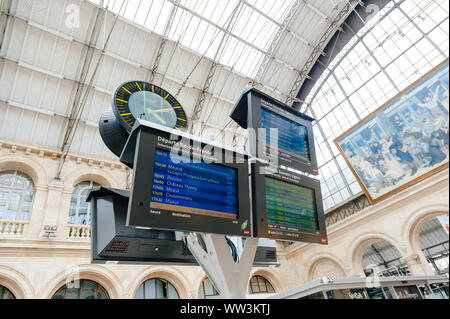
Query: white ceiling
(42, 58)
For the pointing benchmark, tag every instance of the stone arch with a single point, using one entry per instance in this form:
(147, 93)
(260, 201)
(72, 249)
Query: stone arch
(357, 249)
(27, 165)
(16, 282)
(270, 275)
(198, 282)
(99, 274)
(321, 259)
(416, 221)
(173, 276)
(90, 175)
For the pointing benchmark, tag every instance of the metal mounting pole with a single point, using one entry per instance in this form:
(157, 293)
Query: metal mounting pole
(213, 255)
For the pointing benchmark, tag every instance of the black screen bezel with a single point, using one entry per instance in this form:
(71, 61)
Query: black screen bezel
(140, 216)
(255, 122)
(260, 223)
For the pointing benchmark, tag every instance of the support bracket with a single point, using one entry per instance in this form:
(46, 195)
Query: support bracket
(213, 255)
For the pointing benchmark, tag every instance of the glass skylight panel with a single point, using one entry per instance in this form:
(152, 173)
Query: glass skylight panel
(277, 10)
(396, 44)
(195, 33)
(216, 11)
(115, 5)
(143, 12)
(241, 57)
(254, 28)
(202, 24)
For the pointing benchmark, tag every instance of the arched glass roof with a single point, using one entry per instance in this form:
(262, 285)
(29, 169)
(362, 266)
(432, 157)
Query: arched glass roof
(61, 61)
(202, 25)
(205, 52)
(397, 46)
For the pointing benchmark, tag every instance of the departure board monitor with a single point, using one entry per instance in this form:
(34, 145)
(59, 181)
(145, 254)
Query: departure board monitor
(287, 206)
(290, 205)
(291, 138)
(277, 131)
(194, 188)
(182, 184)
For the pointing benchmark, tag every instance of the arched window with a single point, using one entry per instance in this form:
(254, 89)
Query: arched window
(260, 285)
(82, 289)
(383, 58)
(384, 260)
(80, 213)
(207, 290)
(156, 288)
(433, 239)
(16, 196)
(5, 293)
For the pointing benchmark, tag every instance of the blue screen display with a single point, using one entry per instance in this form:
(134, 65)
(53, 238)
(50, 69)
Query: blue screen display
(180, 185)
(292, 136)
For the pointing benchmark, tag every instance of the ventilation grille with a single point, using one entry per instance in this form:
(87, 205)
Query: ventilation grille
(186, 251)
(271, 254)
(118, 247)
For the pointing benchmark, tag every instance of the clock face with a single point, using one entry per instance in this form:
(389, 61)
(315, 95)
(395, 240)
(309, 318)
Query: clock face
(142, 100)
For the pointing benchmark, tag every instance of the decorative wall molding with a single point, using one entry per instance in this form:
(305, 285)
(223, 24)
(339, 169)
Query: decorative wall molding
(54, 154)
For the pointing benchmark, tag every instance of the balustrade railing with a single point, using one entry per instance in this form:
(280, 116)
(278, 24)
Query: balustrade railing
(12, 227)
(79, 232)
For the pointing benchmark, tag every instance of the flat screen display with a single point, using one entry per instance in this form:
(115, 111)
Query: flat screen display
(290, 205)
(292, 136)
(180, 185)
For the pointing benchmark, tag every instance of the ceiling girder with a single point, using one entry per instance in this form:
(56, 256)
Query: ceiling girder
(5, 8)
(318, 49)
(86, 63)
(198, 109)
(163, 42)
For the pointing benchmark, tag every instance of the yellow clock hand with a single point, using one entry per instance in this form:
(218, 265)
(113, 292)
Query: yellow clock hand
(160, 111)
(157, 116)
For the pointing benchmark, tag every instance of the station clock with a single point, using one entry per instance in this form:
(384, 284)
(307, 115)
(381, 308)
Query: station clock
(139, 100)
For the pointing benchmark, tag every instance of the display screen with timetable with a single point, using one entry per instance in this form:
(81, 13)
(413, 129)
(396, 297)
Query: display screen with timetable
(287, 206)
(290, 206)
(292, 137)
(180, 185)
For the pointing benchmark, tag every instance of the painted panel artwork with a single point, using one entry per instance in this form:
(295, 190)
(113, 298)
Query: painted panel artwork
(404, 141)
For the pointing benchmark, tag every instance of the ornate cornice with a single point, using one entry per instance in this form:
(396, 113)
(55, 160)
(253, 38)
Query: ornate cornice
(45, 151)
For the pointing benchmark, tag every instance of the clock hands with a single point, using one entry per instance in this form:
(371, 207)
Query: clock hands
(160, 111)
(154, 113)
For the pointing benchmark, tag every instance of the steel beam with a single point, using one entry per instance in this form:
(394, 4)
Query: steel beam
(423, 33)
(327, 144)
(282, 31)
(363, 84)
(227, 32)
(347, 52)
(198, 109)
(318, 49)
(162, 45)
(86, 63)
(5, 8)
